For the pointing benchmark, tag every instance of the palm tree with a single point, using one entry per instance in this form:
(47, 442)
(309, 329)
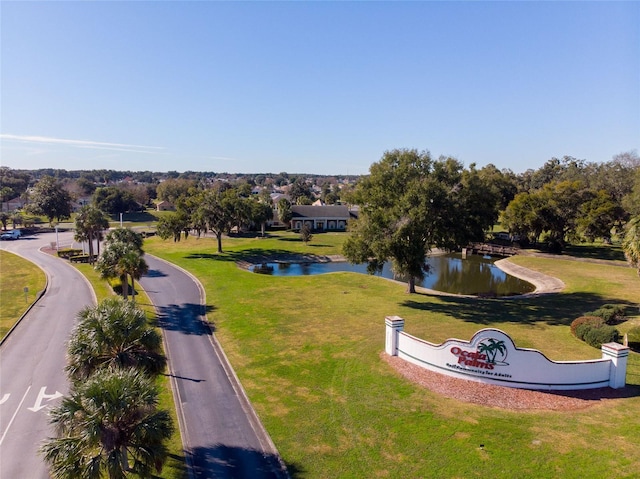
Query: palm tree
(111, 264)
(127, 236)
(122, 257)
(105, 424)
(90, 223)
(113, 334)
(631, 243)
(135, 266)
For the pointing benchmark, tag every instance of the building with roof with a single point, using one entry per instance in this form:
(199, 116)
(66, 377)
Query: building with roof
(321, 218)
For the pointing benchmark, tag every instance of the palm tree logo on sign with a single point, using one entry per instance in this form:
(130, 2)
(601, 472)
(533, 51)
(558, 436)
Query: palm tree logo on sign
(496, 351)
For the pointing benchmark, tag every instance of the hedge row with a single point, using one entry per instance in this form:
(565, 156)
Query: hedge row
(69, 252)
(594, 331)
(610, 313)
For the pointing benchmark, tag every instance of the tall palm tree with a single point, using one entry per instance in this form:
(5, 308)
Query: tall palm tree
(631, 243)
(90, 223)
(135, 266)
(108, 426)
(113, 334)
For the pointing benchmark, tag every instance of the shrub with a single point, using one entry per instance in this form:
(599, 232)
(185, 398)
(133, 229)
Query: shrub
(610, 313)
(593, 331)
(597, 336)
(68, 252)
(80, 258)
(590, 320)
(583, 329)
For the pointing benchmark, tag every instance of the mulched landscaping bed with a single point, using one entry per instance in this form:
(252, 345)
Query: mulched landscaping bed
(503, 397)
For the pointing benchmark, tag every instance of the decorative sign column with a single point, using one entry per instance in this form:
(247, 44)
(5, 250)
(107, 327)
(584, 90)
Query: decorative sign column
(618, 355)
(394, 324)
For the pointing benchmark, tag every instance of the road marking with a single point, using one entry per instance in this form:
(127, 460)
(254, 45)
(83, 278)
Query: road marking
(41, 396)
(14, 416)
(5, 398)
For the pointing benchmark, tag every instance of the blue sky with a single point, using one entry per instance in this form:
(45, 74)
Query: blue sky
(315, 87)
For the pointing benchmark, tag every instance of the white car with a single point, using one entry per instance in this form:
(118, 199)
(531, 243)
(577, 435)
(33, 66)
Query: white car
(11, 235)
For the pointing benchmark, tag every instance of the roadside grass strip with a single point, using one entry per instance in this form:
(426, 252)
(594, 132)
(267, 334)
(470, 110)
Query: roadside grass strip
(17, 274)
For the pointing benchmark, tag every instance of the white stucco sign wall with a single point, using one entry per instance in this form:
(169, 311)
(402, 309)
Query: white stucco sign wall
(492, 357)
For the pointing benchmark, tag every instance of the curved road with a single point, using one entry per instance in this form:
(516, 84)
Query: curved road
(32, 360)
(223, 437)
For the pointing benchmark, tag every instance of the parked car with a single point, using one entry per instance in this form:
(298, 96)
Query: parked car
(11, 235)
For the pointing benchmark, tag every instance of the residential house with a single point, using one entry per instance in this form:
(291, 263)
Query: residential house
(321, 218)
(165, 206)
(80, 202)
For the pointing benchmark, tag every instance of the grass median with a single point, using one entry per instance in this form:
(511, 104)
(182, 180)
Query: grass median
(17, 274)
(175, 467)
(307, 351)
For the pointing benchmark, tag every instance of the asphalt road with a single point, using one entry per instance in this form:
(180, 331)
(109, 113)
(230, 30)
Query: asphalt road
(223, 437)
(32, 360)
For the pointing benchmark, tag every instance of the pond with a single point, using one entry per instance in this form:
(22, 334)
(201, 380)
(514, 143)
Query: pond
(473, 275)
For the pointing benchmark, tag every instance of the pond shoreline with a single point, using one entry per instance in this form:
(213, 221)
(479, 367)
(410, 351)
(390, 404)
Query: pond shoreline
(543, 284)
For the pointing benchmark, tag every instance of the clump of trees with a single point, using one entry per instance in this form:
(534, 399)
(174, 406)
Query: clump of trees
(109, 424)
(90, 223)
(219, 210)
(569, 200)
(13, 183)
(114, 200)
(49, 198)
(411, 203)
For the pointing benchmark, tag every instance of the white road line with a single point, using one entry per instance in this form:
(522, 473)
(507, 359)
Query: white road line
(14, 416)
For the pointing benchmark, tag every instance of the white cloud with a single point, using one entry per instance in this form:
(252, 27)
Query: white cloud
(99, 145)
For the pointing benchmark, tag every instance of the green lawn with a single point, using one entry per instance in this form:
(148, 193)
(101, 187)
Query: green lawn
(17, 274)
(307, 350)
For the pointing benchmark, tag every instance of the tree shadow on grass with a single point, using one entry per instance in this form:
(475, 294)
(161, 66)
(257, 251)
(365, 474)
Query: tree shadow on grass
(551, 309)
(186, 318)
(224, 461)
(607, 253)
(258, 255)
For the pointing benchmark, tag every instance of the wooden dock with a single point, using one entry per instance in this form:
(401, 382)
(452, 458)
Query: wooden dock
(490, 249)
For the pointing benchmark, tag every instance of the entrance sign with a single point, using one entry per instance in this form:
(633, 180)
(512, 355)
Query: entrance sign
(492, 357)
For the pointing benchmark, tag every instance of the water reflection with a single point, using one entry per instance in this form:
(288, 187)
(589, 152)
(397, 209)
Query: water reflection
(474, 275)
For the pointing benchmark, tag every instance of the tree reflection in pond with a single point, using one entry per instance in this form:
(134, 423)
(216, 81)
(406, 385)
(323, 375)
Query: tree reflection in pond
(474, 275)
